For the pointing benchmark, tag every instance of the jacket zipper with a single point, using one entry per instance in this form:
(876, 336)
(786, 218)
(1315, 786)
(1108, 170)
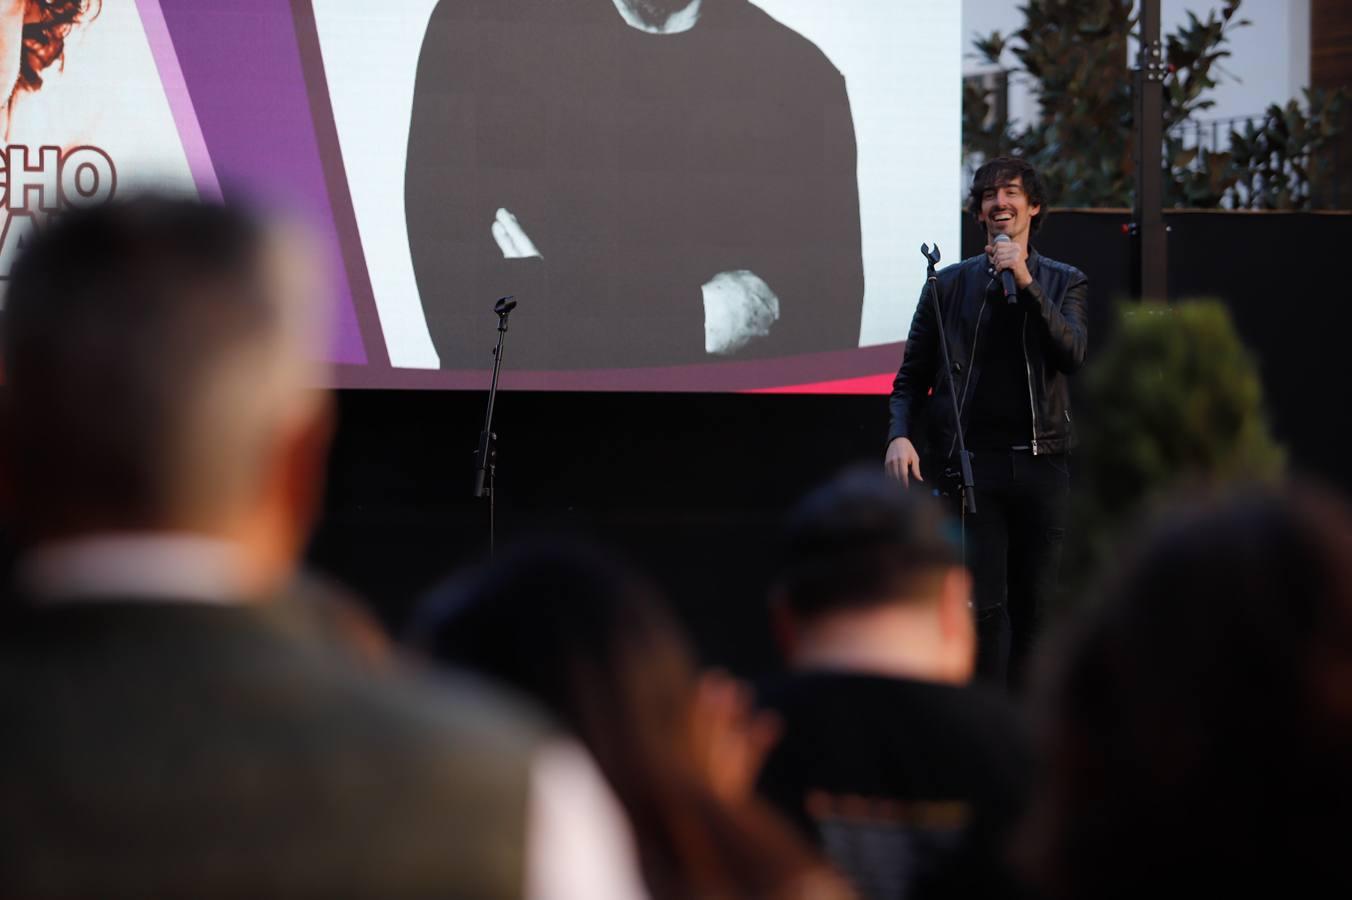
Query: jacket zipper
(971, 358)
(1028, 369)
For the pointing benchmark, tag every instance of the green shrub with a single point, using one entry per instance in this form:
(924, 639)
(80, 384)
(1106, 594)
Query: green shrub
(1173, 402)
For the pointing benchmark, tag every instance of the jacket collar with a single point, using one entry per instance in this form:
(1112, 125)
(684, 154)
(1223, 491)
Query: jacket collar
(185, 567)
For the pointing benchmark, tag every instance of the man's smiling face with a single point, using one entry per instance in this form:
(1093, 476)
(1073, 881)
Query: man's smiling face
(1005, 210)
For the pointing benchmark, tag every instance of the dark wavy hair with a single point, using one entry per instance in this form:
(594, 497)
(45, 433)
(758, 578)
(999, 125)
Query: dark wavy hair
(594, 642)
(44, 41)
(999, 171)
(1198, 725)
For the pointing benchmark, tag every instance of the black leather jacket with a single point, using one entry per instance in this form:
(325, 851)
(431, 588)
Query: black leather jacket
(1055, 332)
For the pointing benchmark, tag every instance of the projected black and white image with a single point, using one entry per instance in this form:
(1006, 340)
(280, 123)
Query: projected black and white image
(658, 182)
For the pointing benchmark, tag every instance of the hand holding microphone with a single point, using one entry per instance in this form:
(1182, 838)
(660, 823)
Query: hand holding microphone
(1010, 261)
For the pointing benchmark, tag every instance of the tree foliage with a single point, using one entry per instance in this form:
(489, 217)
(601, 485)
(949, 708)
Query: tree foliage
(1075, 54)
(1173, 402)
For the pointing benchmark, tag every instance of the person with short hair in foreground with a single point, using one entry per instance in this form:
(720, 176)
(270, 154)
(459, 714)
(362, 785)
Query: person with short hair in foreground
(907, 777)
(169, 731)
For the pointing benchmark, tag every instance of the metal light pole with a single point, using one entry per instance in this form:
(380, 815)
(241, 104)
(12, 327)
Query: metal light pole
(1152, 237)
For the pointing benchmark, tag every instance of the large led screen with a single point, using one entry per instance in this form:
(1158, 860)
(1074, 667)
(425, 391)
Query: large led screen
(720, 195)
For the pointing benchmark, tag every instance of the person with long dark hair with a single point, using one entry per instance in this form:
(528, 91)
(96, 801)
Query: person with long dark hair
(1198, 725)
(594, 644)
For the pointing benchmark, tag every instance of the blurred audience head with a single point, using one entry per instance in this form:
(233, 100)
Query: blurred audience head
(585, 636)
(1199, 719)
(872, 580)
(159, 357)
(593, 642)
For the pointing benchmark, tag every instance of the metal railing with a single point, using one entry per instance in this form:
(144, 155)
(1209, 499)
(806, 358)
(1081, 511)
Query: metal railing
(1333, 191)
(1212, 135)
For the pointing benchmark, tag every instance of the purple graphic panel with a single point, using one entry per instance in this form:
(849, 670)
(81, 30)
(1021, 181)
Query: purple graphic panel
(180, 102)
(242, 68)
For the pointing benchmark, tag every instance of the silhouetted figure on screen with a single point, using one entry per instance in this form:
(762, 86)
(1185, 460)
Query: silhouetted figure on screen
(659, 181)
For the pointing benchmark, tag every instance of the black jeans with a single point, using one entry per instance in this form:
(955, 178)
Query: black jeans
(1014, 551)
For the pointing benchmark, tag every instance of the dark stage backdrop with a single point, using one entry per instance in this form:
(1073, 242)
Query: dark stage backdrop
(692, 486)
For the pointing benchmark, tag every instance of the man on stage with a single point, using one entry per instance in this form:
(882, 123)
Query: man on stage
(1011, 357)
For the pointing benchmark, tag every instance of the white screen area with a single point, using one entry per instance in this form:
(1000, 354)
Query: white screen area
(100, 108)
(901, 63)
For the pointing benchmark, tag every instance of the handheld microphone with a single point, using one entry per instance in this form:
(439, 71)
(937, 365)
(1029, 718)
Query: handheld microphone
(1007, 277)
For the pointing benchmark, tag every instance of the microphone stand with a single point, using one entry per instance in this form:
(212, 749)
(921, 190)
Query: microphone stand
(486, 456)
(968, 488)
